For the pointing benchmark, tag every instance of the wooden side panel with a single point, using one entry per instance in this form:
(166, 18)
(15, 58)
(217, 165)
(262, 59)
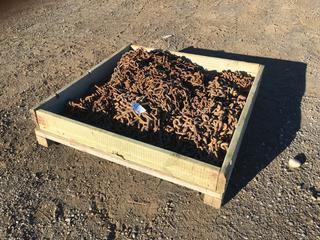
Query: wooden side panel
(233, 149)
(168, 164)
(213, 63)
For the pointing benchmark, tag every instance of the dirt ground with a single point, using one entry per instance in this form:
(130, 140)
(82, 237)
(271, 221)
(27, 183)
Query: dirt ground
(61, 193)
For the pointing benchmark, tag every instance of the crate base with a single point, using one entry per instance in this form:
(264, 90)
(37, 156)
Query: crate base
(46, 139)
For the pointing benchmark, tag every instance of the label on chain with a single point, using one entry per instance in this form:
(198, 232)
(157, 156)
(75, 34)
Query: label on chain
(137, 108)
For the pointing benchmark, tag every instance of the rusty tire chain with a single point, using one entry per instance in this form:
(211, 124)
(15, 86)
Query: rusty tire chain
(180, 98)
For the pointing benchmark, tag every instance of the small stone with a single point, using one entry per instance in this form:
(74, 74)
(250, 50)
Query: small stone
(167, 36)
(316, 197)
(294, 163)
(3, 166)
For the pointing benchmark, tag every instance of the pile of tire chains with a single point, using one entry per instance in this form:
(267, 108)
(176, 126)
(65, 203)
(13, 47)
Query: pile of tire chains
(180, 98)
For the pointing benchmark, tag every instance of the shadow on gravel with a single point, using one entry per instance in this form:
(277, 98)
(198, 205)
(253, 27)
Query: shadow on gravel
(15, 6)
(275, 118)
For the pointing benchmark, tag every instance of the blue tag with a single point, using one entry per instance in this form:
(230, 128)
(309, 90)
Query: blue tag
(137, 108)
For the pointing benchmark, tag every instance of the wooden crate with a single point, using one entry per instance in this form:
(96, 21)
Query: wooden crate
(191, 173)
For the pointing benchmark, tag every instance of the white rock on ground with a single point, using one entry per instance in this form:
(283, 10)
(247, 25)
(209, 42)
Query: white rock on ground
(294, 163)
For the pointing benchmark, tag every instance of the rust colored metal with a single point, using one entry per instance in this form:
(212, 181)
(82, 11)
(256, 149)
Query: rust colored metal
(182, 100)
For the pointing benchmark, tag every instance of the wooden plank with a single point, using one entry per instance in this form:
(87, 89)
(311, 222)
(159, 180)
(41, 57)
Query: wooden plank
(235, 143)
(119, 160)
(79, 87)
(42, 140)
(213, 201)
(214, 63)
(33, 116)
(166, 163)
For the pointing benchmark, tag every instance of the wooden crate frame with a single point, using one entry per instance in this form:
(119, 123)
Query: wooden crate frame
(202, 177)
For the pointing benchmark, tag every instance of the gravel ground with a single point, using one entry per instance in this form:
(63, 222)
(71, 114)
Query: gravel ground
(60, 193)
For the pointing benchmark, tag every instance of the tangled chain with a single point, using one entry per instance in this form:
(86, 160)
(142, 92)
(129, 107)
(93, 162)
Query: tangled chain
(181, 99)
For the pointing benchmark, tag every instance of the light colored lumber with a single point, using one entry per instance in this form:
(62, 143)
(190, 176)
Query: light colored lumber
(130, 164)
(42, 141)
(214, 63)
(212, 201)
(235, 143)
(167, 162)
(33, 116)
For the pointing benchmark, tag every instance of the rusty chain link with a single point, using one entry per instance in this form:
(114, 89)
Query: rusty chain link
(181, 100)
